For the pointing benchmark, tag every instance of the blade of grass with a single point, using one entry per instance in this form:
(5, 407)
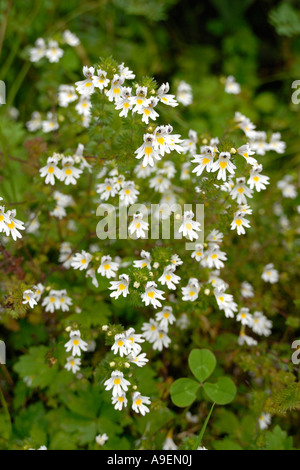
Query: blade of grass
(200, 437)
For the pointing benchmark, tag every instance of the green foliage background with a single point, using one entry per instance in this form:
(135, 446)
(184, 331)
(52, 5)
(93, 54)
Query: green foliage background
(257, 41)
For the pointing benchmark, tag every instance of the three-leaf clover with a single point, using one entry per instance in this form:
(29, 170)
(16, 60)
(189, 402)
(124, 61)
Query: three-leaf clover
(202, 363)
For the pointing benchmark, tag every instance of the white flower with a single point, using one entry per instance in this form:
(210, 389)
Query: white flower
(214, 258)
(35, 122)
(63, 300)
(240, 192)
(50, 124)
(150, 330)
(264, 421)
(106, 189)
(148, 151)
(257, 180)
(69, 173)
(38, 291)
(76, 344)
(51, 170)
(162, 340)
(117, 383)
(133, 340)
(128, 194)
(29, 298)
(120, 287)
(184, 93)
(152, 295)
(223, 164)
(70, 38)
(125, 72)
(261, 325)
(231, 86)
(108, 267)
(245, 339)
(205, 161)
(53, 53)
(276, 144)
(100, 81)
(139, 403)
(270, 274)
(83, 107)
(239, 222)
(147, 110)
(258, 142)
(66, 95)
(51, 301)
(189, 145)
(37, 52)
(139, 360)
(140, 100)
(101, 439)
(215, 236)
(9, 224)
(138, 226)
(225, 301)
(247, 290)
(176, 260)
(165, 317)
(81, 260)
(73, 363)
(86, 87)
(198, 253)
(119, 401)
(168, 277)
(191, 291)
(189, 227)
(116, 88)
(246, 152)
(165, 97)
(245, 317)
(121, 345)
(144, 262)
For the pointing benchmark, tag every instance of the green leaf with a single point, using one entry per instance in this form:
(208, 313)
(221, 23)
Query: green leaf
(222, 392)
(183, 392)
(202, 363)
(278, 440)
(226, 444)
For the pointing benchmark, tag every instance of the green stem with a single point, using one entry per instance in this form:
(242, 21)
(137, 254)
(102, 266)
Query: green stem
(17, 83)
(5, 407)
(200, 437)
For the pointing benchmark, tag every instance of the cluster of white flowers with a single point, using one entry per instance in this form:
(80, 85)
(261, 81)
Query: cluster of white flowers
(52, 51)
(116, 185)
(62, 202)
(127, 345)
(156, 330)
(122, 96)
(9, 224)
(258, 139)
(68, 173)
(159, 143)
(75, 345)
(54, 300)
